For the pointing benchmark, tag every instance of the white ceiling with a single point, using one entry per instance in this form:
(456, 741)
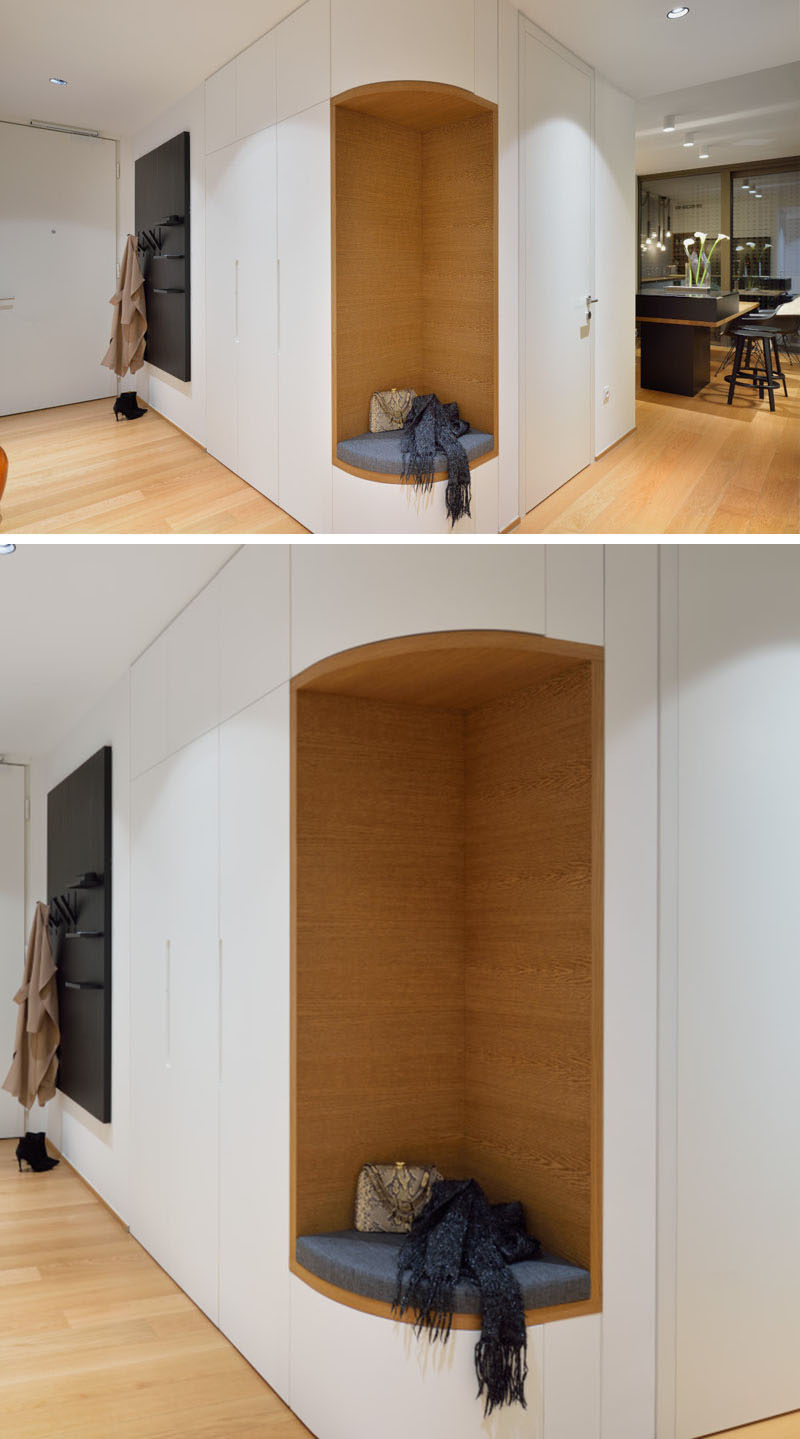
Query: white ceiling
(125, 63)
(74, 618)
(750, 117)
(634, 45)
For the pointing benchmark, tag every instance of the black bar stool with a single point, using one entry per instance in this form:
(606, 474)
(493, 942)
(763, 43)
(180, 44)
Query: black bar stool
(766, 377)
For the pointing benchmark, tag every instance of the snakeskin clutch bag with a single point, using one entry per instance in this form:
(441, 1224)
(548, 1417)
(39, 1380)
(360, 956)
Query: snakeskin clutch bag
(390, 1196)
(388, 410)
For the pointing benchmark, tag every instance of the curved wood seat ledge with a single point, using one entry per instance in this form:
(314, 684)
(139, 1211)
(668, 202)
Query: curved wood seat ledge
(366, 1264)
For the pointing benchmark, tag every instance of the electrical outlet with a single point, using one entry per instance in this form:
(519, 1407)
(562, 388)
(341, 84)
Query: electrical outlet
(606, 394)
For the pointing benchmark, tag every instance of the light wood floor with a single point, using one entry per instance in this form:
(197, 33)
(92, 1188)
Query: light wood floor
(691, 467)
(75, 470)
(96, 1341)
(788, 1427)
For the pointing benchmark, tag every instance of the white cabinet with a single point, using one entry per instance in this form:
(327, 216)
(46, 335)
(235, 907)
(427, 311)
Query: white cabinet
(254, 1028)
(222, 426)
(420, 41)
(241, 310)
(254, 625)
(352, 595)
(221, 108)
(575, 593)
(256, 87)
(193, 670)
(149, 708)
(304, 58)
(486, 49)
(304, 253)
(174, 1015)
(192, 1020)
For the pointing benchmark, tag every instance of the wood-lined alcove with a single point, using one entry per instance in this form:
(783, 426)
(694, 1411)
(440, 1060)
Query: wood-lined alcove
(414, 232)
(447, 943)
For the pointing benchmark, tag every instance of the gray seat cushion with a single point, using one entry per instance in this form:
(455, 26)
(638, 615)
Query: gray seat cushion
(382, 454)
(366, 1264)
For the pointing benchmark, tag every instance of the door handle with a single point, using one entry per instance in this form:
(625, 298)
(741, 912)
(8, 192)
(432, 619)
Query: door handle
(589, 303)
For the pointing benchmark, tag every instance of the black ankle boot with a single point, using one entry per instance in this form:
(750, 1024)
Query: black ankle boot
(32, 1149)
(126, 407)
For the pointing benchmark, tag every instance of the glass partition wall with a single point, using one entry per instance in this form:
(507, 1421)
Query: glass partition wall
(672, 209)
(766, 233)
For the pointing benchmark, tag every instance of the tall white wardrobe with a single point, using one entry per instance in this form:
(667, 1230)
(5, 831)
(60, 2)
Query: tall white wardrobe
(210, 973)
(268, 302)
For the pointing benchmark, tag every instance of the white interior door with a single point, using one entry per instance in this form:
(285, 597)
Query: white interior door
(557, 261)
(58, 241)
(12, 928)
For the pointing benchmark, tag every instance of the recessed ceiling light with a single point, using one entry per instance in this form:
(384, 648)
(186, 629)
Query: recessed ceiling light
(669, 124)
(54, 80)
(7, 549)
(678, 13)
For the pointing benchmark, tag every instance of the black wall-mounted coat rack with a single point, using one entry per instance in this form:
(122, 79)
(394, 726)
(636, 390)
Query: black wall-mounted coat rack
(79, 886)
(163, 217)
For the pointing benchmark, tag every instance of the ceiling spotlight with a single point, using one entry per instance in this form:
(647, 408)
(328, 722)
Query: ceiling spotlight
(678, 12)
(704, 155)
(7, 549)
(746, 185)
(757, 195)
(688, 143)
(669, 124)
(54, 80)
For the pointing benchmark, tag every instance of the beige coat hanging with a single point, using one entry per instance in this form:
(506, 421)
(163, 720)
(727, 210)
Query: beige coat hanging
(33, 1072)
(126, 351)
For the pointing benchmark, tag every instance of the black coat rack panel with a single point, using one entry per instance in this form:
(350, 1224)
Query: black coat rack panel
(79, 892)
(162, 226)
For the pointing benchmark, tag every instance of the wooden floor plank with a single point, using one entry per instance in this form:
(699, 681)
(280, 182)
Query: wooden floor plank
(685, 468)
(96, 1340)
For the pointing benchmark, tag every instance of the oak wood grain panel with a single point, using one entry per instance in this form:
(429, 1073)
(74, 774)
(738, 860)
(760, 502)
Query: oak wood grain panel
(378, 263)
(459, 669)
(379, 939)
(530, 952)
(421, 105)
(459, 282)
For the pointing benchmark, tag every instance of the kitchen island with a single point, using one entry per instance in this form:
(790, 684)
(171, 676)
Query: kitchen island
(676, 328)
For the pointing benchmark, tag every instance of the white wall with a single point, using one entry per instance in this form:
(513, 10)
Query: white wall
(615, 265)
(98, 1151)
(181, 401)
(12, 928)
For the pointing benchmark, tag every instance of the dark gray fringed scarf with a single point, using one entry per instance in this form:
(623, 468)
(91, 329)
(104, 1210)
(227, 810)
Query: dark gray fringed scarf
(459, 1236)
(432, 426)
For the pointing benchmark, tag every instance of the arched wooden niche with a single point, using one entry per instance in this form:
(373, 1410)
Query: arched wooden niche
(414, 253)
(447, 939)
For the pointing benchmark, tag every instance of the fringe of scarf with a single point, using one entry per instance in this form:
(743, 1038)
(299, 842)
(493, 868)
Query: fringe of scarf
(459, 1236)
(429, 428)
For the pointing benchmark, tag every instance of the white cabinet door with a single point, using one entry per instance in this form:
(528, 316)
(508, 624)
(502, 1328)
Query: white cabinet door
(345, 595)
(421, 41)
(486, 49)
(192, 1020)
(221, 308)
(149, 708)
(193, 669)
(255, 87)
(254, 1097)
(256, 230)
(576, 593)
(150, 1117)
(304, 252)
(221, 108)
(254, 626)
(12, 924)
(304, 58)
